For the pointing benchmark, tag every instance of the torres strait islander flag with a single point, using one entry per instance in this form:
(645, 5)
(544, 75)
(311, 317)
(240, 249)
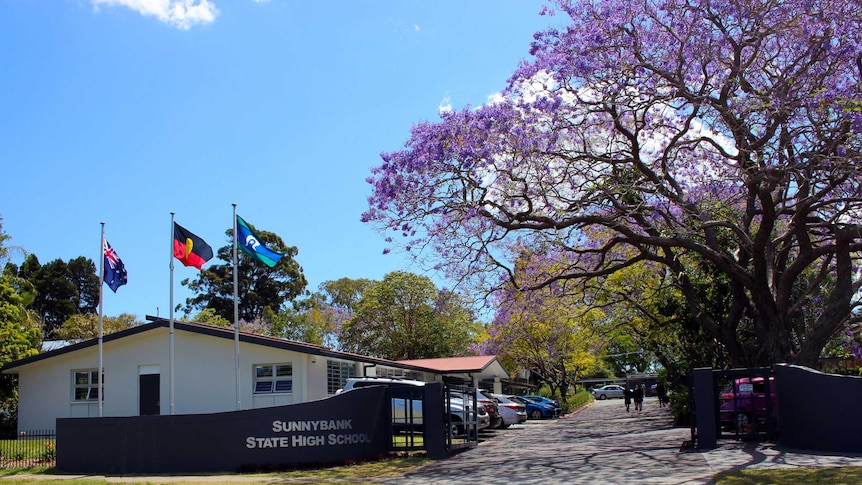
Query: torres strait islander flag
(248, 241)
(190, 249)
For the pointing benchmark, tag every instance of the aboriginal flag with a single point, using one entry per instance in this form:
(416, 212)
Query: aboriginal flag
(190, 249)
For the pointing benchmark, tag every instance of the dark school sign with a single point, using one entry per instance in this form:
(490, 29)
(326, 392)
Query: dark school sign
(349, 426)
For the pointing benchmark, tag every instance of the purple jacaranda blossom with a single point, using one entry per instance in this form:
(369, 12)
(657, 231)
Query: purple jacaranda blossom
(710, 138)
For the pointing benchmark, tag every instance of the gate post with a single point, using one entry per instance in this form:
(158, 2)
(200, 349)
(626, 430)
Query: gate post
(434, 432)
(704, 405)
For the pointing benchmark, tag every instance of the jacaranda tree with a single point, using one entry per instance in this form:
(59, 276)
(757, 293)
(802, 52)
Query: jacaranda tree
(552, 332)
(699, 136)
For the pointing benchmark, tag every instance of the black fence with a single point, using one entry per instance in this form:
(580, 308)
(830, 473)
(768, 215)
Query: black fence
(413, 405)
(746, 403)
(736, 404)
(29, 449)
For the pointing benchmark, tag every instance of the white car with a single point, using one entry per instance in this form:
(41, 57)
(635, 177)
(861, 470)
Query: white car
(512, 412)
(458, 412)
(609, 391)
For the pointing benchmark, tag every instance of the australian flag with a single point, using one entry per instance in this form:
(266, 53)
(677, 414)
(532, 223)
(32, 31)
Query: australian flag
(115, 271)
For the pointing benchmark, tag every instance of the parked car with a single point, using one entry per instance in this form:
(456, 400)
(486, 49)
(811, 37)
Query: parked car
(511, 411)
(535, 410)
(485, 400)
(743, 403)
(460, 406)
(608, 392)
(552, 402)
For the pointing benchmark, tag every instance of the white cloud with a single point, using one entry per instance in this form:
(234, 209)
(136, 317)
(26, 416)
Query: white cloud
(182, 14)
(445, 105)
(495, 98)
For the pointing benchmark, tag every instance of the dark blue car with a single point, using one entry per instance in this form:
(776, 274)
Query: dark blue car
(550, 402)
(535, 410)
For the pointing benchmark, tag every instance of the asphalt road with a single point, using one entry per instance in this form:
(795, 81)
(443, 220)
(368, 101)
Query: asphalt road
(603, 443)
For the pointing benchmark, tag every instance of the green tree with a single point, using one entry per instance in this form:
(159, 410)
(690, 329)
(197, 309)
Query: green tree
(25, 291)
(624, 354)
(551, 332)
(333, 305)
(85, 326)
(649, 321)
(85, 277)
(19, 338)
(56, 290)
(209, 316)
(343, 293)
(56, 295)
(301, 324)
(317, 319)
(259, 287)
(406, 317)
(6, 250)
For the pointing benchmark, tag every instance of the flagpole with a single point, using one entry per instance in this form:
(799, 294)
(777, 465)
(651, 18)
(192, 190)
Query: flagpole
(236, 312)
(171, 328)
(101, 291)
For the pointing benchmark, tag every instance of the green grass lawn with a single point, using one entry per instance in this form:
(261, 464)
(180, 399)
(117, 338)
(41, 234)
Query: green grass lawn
(354, 473)
(796, 476)
(397, 466)
(27, 452)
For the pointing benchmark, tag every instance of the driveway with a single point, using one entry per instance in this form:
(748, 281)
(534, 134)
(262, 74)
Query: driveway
(605, 444)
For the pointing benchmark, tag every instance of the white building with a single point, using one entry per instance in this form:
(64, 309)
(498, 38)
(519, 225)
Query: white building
(138, 379)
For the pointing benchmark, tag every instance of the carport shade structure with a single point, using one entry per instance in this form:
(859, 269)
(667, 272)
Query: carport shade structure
(478, 367)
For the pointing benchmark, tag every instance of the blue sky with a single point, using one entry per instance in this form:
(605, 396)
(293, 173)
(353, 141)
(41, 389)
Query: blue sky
(123, 111)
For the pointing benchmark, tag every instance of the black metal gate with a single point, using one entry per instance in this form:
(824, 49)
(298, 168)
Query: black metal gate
(459, 418)
(407, 418)
(746, 404)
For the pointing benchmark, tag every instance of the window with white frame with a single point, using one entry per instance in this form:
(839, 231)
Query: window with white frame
(337, 373)
(416, 376)
(85, 385)
(390, 372)
(273, 378)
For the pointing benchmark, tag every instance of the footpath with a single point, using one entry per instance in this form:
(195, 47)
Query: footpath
(602, 443)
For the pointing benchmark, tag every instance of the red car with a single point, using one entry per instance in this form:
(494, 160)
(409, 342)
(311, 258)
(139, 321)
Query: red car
(743, 403)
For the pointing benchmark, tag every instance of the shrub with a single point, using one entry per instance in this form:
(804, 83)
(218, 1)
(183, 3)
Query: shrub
(49, 453)
(679, 407)
(577, 400)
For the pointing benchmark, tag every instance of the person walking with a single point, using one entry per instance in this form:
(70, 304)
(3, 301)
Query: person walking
(638, 395)
(627, 397)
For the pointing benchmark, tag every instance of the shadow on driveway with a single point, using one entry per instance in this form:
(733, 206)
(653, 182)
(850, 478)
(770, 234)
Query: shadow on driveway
(600, 444)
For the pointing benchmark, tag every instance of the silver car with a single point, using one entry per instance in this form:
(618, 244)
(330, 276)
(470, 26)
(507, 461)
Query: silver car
(609, 391)
(512, 412)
